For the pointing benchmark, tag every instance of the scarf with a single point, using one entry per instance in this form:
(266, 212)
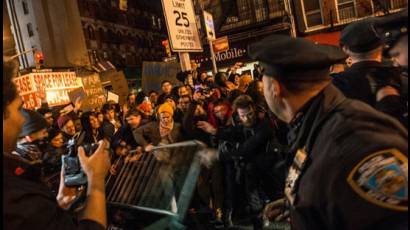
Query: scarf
(29, 152)
(165, 130)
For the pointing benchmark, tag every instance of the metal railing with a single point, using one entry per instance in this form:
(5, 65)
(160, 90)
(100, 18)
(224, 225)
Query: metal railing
(157, 185)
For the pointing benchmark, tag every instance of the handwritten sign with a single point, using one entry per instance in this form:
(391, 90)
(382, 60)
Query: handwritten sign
(118, 82)
(95, 96)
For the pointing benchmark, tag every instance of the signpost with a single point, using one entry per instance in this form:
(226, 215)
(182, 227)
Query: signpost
(182, 29)
(210, 34)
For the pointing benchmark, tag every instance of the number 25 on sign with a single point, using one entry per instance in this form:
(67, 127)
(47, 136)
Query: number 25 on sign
(182, 30)
(181, 19)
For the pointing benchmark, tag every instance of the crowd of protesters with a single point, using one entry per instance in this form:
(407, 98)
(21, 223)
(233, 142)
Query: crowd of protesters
(227, 112)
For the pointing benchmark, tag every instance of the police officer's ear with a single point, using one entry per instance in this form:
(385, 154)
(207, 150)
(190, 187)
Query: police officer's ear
(345, 50)
(274, 87)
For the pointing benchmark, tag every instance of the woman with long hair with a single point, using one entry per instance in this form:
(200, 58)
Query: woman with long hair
(92, 131)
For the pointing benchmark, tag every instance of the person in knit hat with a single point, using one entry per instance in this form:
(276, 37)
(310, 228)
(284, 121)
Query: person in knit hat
(164, 131)
(33, 137)
(66, 125)
(147, 111)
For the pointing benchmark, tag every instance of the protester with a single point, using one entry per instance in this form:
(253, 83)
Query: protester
(109, 124)
(253, 136)
(92, 131)
(66, 125)
(165, 131)
(48, 115)
(166, 88)
(153, 97)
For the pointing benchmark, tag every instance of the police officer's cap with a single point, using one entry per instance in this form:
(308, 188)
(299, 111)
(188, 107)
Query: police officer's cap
(392, 27)
(284, 54)
(361, 36)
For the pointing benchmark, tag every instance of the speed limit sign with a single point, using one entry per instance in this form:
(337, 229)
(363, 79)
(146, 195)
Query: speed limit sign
(182, 29)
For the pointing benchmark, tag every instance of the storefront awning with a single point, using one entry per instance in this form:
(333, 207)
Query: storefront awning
(331, 38)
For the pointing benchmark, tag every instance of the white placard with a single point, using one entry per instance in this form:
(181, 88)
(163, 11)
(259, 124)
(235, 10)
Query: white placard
(181, 23)
(209, 26)
(113, 97)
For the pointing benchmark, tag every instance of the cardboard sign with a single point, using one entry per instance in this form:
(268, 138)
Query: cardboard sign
(181, 23)
(52, 87)
(153, 73)
(118, 82)
(79, 93)
(113, 97)
(95, 97)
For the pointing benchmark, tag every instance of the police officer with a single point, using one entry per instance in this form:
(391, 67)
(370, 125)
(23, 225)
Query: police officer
(350, 165)
(370, 79)
(394, 30)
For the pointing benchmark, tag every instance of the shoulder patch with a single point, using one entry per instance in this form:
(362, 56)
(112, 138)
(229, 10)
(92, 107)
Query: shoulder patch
(382, 179)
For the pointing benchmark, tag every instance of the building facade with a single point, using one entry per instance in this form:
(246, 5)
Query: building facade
(88, 33)
(51, 27)
(23, 26)
(243, 22)
(9, 47)
(125, 38)
(322, 20)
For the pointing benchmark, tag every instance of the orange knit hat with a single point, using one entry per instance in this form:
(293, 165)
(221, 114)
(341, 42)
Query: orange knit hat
(166, 108)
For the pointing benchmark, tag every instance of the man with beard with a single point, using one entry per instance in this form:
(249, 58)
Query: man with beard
(210, 184)
(350, 160)
(253, 136)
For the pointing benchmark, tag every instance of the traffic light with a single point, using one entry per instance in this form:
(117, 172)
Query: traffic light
(39, 59)
(123, 5)
(165, 43)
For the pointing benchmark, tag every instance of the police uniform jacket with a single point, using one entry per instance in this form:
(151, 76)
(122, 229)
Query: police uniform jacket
(362, 81)
(350, 166)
